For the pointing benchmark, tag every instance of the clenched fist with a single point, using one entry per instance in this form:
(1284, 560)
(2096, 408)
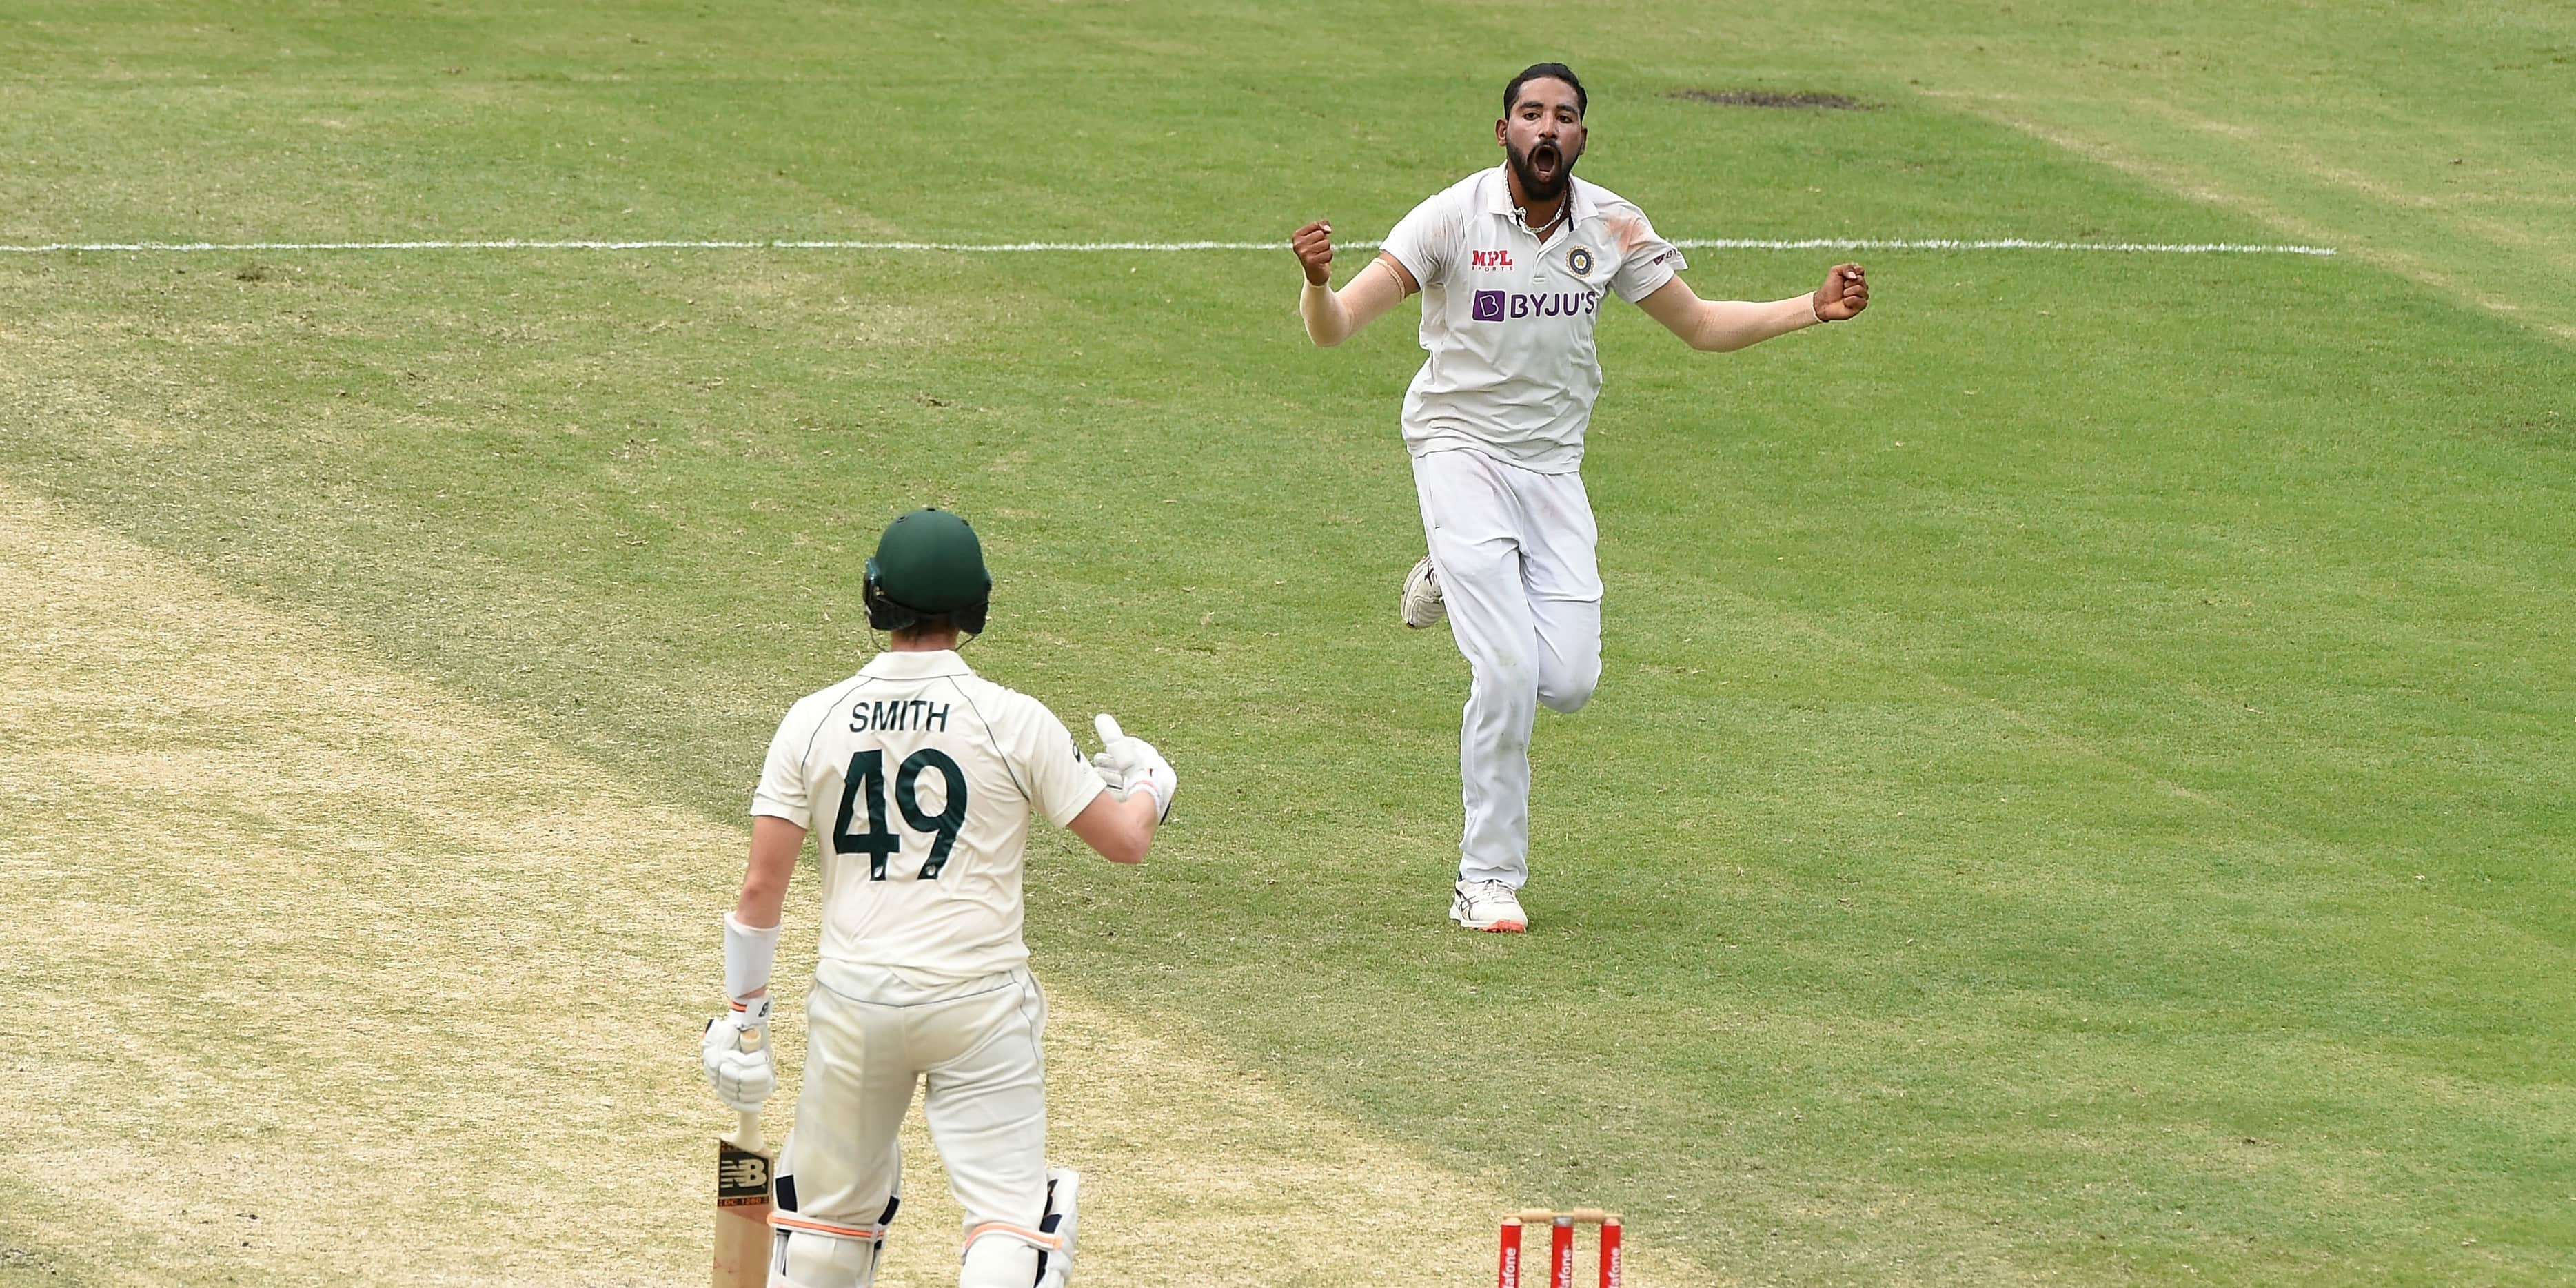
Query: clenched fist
(1844, 294)
(1314, 246)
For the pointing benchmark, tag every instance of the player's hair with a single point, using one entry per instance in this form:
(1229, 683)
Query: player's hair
(1545, 71)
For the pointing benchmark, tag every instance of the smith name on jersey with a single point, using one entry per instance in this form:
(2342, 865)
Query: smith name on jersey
(917, 779)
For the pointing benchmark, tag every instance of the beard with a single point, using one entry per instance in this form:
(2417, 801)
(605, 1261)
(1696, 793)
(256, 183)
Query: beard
(1525, 167)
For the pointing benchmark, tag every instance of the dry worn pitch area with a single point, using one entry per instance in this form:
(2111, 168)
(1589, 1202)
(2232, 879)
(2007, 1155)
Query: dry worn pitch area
(402, 994)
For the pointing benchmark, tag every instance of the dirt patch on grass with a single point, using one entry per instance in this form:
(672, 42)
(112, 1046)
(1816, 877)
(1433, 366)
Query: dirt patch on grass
(1772, 98)
(348, 981)
(760, 290)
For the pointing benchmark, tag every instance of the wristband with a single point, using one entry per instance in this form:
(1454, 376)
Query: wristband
(748, 953)
(1161, 786)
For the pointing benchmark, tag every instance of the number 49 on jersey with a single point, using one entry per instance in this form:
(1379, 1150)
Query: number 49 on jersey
(867, 777)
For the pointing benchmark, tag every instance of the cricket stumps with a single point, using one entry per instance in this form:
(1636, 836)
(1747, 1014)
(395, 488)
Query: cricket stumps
(1560, 1245)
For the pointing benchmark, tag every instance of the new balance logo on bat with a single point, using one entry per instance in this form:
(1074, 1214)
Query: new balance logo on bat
(741, 1176)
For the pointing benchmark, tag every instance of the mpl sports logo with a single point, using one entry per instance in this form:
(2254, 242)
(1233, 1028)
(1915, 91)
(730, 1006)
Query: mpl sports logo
(1512, 306)
(1489, 259)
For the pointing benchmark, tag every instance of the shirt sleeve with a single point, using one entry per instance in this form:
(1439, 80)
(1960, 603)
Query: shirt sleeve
(1426, 241)
(781, 793)
(1061, 780)
(1646, 260)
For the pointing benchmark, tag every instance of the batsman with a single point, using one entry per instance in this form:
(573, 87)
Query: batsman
(917, 779)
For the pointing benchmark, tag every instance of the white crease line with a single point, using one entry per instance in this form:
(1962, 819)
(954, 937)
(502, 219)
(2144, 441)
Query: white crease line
(1999, 243)
(990, 248)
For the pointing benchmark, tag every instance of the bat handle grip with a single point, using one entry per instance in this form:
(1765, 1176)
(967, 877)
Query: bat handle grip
(747, 1134)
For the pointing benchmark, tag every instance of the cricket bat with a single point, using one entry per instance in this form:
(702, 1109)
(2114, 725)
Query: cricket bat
(743, 1198)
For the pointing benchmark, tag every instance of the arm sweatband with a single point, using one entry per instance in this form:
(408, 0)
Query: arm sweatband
(1327, 322)
(1728, 325)
(749, 951)
(1334, 316)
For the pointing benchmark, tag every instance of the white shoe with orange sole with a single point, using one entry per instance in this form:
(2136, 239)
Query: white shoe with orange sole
(1489, 906)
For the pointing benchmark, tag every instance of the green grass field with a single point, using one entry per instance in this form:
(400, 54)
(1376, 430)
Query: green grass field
(2079, 792)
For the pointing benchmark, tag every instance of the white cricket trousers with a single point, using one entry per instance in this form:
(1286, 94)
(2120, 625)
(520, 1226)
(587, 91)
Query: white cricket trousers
(869, 1038)
(1514, 552)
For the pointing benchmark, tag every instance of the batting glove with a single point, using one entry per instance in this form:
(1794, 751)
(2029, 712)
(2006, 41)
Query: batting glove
(1131, 765)
(736, 1054)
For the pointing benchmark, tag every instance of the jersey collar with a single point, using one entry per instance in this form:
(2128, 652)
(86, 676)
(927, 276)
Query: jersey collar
(891, 665)
(1498, 195)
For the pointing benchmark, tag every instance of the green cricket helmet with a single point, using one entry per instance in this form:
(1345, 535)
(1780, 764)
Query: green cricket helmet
(928, 564)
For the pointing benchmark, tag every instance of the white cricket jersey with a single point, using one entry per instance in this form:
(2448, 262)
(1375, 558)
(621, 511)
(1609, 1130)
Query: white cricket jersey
(1507, 319)
(917, 779)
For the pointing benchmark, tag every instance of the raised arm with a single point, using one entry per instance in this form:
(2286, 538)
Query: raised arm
(1334, 316)
(1723, 326)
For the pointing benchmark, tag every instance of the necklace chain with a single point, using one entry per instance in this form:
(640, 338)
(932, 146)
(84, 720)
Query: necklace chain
(1520, 215)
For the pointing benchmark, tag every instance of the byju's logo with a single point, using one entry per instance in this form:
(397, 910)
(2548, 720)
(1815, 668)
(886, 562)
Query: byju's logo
(1511, 306)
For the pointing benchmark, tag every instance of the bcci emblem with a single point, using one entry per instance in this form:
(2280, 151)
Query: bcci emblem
(1580, 260)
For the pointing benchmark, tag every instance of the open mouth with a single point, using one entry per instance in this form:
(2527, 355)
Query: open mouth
(1545, 161)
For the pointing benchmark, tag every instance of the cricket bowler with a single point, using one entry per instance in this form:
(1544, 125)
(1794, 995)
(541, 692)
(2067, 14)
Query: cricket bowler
(1512, 264)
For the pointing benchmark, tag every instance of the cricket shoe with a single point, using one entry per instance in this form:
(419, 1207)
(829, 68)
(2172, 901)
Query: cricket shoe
(1488, 906)
(1421, 606)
